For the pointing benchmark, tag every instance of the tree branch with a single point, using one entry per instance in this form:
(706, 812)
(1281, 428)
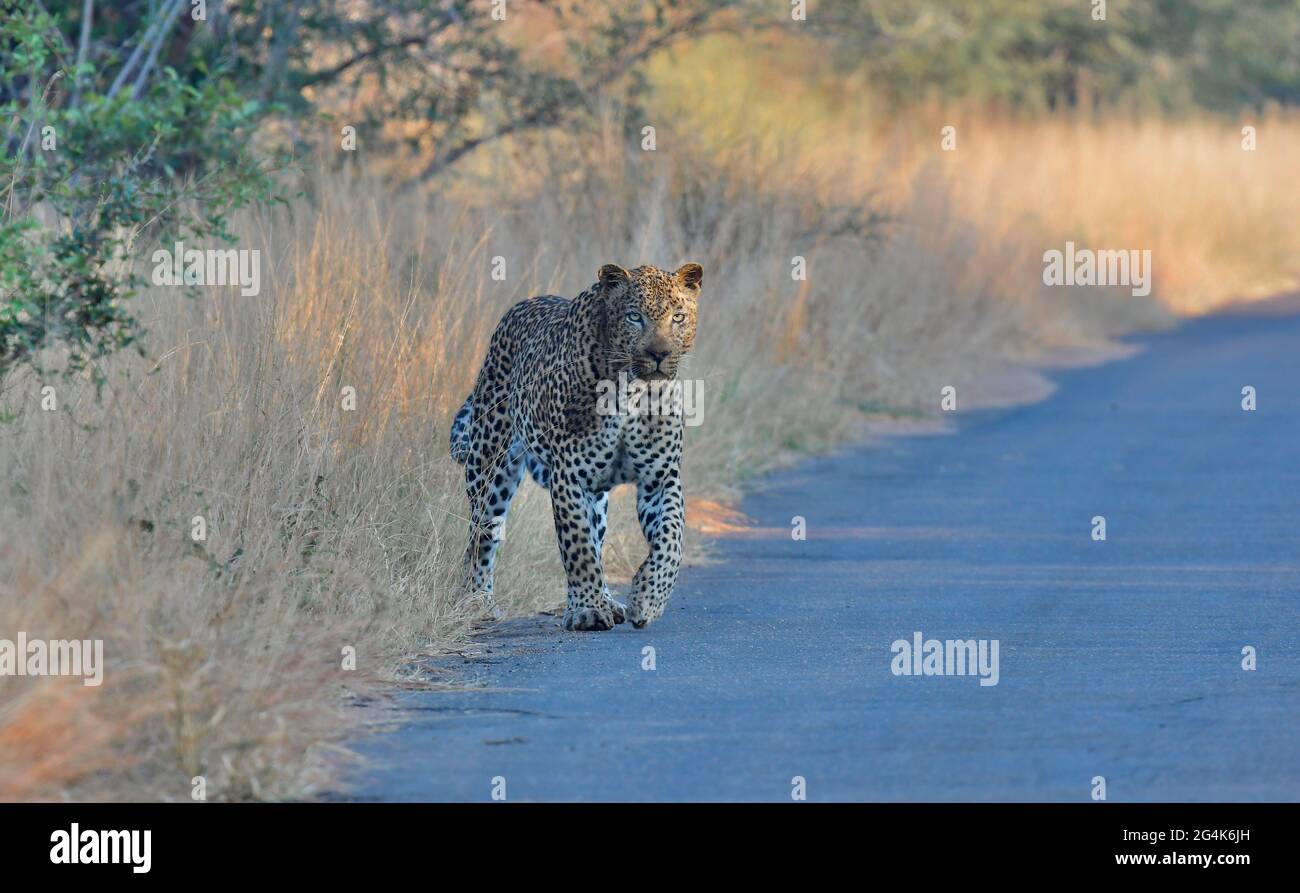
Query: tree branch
(537, 118)
(169, 17)
(334, 71)
(550, 113)
(120, 80)
(83, 46)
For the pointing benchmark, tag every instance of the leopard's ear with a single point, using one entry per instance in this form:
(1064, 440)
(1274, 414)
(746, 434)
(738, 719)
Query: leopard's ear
(691, 275)
(611, 275)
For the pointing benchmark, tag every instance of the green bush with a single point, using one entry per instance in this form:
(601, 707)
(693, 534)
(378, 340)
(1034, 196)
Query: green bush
(92, 165)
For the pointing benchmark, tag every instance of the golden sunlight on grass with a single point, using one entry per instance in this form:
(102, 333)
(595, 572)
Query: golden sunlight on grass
(1216, 217)
(711, 517)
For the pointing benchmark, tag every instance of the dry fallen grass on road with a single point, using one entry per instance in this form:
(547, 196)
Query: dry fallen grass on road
(330, 528)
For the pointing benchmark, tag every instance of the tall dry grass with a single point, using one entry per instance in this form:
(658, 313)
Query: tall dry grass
(330, 529)
(1217, 218)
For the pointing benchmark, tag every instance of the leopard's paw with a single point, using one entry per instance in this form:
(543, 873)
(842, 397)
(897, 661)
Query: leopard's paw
(641, 612)
(616, 607)
(589, 618)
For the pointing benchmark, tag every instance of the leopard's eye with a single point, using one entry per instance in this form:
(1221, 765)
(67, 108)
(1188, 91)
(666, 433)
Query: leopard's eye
(679, 317)
(634, 317)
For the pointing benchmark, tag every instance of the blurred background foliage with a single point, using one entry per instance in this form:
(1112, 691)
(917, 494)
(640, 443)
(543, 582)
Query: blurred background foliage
(1168, 55)
(157, 118)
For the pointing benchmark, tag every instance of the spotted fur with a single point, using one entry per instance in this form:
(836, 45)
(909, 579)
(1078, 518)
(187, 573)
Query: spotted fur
(534, 406)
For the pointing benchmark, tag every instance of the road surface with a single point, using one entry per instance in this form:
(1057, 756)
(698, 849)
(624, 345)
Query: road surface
(1120, 659)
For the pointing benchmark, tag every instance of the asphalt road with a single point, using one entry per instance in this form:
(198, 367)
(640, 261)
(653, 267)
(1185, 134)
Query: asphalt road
(1119, 658)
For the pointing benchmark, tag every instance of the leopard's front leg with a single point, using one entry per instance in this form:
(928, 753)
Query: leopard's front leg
(598, 520)
(660, 508)
(588, 607)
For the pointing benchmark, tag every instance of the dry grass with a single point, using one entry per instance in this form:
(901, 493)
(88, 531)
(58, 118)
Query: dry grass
(330, 528)
(1216, 218)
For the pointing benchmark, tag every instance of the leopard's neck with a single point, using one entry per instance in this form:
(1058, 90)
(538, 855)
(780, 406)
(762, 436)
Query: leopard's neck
(586, 336)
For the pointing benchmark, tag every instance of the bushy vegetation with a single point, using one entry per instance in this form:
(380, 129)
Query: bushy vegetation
(104, 146)
(147, 122)
(1169, 55)
(152, 120)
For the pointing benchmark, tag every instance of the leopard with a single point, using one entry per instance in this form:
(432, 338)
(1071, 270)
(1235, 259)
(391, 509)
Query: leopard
(535, 406)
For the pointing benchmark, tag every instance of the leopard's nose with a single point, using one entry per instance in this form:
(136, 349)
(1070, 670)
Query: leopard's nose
(658, 355)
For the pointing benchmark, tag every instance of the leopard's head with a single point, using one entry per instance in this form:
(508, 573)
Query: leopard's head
(649, 317)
